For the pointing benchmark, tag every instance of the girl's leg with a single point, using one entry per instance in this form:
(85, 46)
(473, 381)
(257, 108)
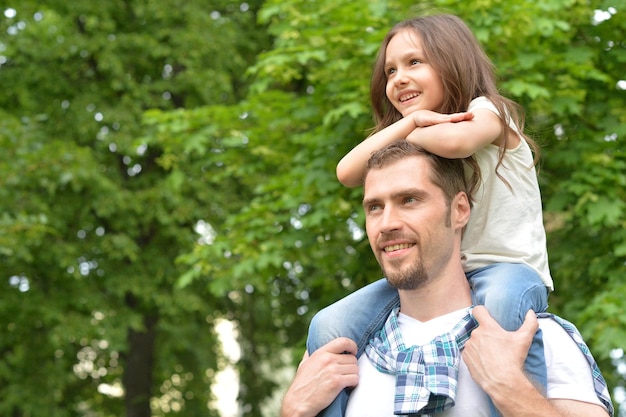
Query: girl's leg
(508, 291)
(357, 316)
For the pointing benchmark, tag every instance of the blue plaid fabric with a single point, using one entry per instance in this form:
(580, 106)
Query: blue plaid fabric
(426, 376)
(602, 391)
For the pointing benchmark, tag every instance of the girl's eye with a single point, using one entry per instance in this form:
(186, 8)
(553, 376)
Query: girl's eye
(415, 61)
(391, 71)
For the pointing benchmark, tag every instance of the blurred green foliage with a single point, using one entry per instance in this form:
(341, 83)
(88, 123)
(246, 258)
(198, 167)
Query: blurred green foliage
(125, 124)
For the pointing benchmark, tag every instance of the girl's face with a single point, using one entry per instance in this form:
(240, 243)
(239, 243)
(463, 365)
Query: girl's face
(412, 83)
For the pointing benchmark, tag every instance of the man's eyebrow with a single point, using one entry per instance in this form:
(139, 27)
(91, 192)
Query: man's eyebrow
(411, 192)
(414, 192)
(369, 201)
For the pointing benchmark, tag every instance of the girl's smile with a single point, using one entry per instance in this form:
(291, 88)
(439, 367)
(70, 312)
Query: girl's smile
(412, 83)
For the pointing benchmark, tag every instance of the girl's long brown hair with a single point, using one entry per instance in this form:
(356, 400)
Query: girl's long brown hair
(466, 73)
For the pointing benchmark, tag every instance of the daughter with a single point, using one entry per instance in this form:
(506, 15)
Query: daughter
(433, 85)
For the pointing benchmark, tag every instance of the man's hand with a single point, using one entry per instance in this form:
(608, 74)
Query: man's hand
(320, 378)
(495, 359)
(494, 356)
(425, 118)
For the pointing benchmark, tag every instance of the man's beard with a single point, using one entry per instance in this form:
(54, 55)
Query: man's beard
(409, 278)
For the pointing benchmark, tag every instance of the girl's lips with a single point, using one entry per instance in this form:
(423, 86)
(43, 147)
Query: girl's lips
(408, 96)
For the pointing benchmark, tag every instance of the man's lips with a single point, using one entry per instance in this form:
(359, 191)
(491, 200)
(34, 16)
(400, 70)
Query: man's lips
(397, 246)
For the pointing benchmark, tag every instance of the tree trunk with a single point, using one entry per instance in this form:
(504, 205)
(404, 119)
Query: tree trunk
(137, 377)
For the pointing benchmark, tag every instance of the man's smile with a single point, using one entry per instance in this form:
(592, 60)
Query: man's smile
(393, 248)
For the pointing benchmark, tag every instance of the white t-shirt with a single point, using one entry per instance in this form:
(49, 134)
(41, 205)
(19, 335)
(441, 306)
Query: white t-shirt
(506, 224)
(569, 374)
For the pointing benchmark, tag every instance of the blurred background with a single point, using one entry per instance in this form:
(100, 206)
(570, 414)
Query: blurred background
(170, 218)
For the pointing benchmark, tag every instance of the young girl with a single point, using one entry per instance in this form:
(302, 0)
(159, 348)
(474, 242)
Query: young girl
(432, 84)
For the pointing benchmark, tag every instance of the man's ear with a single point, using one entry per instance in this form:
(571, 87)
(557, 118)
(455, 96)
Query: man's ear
(460, 210)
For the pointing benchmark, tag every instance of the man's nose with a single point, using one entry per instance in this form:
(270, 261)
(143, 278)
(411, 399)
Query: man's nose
(390, 220)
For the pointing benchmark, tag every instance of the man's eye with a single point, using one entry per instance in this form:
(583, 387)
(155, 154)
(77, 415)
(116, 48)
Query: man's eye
(373, 207)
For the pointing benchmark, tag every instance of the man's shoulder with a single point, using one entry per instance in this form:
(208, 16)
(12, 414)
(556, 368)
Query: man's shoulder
(557, 325)
(551, 324)
(563, 345)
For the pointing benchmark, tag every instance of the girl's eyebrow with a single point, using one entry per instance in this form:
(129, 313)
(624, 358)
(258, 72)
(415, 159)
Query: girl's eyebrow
(409, 53)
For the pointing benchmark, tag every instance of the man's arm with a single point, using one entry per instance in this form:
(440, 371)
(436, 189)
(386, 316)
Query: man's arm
(320, 378)
(495, 359)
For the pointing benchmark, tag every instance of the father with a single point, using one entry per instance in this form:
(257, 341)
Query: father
(416, 207)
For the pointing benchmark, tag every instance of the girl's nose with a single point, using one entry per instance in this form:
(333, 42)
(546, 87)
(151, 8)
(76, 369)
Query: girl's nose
(400, 77)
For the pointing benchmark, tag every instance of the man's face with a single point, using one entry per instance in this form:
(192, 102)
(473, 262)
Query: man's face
(408, 223)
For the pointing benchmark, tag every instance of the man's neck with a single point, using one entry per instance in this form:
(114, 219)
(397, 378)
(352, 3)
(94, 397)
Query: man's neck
(436, 299)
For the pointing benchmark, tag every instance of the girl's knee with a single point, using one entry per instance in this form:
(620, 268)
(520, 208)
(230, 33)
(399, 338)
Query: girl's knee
(322, 321)
(322, 329)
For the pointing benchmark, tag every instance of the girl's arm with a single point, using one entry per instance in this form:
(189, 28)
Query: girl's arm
(460, 140)
(351, 168)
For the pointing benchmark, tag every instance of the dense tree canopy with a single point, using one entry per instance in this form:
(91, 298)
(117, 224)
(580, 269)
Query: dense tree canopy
(91, 223)
(167, 164)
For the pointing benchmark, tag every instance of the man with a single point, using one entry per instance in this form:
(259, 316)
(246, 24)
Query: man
(415, 209)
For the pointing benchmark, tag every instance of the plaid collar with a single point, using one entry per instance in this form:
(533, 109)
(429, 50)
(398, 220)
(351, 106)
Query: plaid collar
(426, 376)
(599, 384)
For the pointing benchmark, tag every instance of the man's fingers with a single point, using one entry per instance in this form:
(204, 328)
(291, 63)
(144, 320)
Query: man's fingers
(338, 358)
(341, 345)
(527, 330)
(320, 377)
(530, 324)
(482, 316)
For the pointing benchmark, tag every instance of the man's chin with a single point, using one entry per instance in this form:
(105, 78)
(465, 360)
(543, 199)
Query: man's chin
(405, 279)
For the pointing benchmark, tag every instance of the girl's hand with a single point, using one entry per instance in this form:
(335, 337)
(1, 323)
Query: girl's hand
(424, 118)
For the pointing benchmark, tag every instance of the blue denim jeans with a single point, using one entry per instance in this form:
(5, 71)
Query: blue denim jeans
(507, 290)
(358, 316)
